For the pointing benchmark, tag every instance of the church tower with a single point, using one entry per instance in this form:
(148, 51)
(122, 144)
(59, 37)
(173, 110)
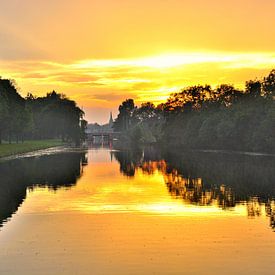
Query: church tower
(111, 121)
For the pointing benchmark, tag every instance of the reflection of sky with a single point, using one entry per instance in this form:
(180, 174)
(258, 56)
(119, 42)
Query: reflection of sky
(103, 189)
(112, 224)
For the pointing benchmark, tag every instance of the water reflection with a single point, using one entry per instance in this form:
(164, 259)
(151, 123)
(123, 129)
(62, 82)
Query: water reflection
(217, 181)
(52, 171)
(270, 212)
(224, 180)
(137, 212)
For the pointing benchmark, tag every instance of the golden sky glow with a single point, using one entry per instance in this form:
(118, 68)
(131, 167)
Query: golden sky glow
(101, 52)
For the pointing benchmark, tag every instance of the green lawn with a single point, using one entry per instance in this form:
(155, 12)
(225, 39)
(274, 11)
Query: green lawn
(27, 146)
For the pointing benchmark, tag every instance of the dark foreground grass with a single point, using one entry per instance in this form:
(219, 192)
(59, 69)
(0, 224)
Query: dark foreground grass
(27, 146)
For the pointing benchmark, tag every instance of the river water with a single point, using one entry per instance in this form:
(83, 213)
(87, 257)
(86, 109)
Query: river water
(105, 211)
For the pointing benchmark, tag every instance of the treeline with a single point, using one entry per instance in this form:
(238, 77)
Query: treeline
(52, 116)
(52, 171)
(200, 117)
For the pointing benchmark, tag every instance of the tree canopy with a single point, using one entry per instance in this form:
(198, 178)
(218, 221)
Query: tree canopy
(51, 116)
(202, 117)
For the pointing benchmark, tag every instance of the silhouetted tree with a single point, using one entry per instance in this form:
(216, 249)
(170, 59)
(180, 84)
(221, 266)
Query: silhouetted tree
(124, 119)
(269, 84)
(52, 116)
(199, 117)
(14, 115)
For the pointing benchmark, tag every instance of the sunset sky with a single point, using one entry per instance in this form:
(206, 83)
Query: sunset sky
(100, 52)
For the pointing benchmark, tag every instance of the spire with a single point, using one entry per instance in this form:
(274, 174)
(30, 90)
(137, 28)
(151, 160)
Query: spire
(111, 121)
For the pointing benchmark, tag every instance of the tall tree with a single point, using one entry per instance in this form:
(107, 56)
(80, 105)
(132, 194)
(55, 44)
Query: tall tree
(125, 116)
(15, 109)
(269, 85)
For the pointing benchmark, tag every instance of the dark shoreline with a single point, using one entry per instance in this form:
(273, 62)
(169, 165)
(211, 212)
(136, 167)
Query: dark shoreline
(180, 149)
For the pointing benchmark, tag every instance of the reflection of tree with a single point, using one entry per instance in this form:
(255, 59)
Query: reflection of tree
(189, 189)
(129, 160)
(150, 167)
(270, 212)
(253, 207)
(53, 171)
(209, 178)
(193, 191)
(247, 176)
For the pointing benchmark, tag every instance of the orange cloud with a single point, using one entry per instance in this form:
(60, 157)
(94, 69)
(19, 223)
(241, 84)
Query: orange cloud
(94, 83)
(101, 51)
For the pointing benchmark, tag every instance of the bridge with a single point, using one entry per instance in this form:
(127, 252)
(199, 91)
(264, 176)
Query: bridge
(99, 137)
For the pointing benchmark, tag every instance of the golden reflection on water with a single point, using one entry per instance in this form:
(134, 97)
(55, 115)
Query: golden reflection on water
(156, 222)
(152, 191)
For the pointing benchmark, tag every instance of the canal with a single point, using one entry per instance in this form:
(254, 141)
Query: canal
(139, 211)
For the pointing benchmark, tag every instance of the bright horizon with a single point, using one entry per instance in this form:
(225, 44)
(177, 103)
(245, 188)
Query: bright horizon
(101, 52)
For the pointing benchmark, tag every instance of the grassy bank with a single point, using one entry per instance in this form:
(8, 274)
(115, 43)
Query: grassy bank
(27, 146)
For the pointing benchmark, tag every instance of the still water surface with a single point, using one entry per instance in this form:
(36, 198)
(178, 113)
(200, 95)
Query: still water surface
(137, 212)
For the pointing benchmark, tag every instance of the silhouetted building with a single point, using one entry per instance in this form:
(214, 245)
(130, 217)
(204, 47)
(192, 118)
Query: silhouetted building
(105, 128)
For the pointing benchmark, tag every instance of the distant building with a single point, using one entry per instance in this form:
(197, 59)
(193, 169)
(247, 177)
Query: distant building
(111, 121)
(105, 128)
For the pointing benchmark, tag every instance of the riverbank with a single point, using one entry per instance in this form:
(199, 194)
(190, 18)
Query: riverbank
(28, 146)
(184, 150)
